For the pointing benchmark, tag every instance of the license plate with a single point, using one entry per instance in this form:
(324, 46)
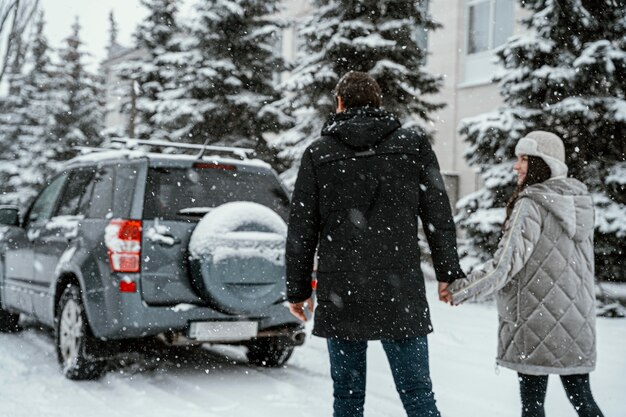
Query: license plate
(214, 331)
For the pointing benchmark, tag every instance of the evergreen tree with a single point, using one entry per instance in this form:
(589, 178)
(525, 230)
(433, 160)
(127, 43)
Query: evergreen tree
(79, 113)
(113, 31)
(225, 90)
(568, 76)
(10, 122)
(158, 36)
(377, 37)
(13, 100)
(119, 80)
(26, 128)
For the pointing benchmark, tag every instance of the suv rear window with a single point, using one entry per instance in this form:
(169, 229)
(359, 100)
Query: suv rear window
(186, 193)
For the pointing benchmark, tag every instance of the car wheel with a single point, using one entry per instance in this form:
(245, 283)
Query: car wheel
(269, 352)
(74, 339)
(9, 322)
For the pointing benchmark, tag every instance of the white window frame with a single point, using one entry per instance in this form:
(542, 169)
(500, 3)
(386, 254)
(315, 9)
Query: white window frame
(480, 66)
(490, 19)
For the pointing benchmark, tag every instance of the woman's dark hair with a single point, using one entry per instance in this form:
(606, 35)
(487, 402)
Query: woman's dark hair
(538, 171)
(358, 89)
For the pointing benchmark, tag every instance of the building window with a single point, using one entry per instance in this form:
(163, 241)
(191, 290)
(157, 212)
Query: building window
(489, 24)
(276, 42)
(420, 36)
(451, 181)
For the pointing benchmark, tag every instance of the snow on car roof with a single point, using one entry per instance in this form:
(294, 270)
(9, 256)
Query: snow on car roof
(105, 155)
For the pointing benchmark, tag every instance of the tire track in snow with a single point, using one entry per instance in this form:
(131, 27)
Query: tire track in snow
(37, 369)
(230, 387)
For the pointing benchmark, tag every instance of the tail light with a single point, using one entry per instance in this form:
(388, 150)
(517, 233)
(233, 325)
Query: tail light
(127, 286)
(123, 241)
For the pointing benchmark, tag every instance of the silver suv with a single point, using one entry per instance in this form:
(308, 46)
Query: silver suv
(103, 254)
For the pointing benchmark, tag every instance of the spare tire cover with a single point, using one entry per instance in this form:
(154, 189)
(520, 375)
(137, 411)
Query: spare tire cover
(237, 257)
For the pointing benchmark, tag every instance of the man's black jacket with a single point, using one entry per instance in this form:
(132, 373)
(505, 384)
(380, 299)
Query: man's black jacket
(358, 195)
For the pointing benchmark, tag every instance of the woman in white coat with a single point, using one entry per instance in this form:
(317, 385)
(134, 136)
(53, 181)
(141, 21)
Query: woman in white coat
(543, 277)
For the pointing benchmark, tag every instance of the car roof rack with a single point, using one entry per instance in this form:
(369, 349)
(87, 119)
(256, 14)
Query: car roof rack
(88, 149)
(243, 153)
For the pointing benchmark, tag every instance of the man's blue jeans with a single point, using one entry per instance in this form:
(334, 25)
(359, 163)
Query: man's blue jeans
(409, 365)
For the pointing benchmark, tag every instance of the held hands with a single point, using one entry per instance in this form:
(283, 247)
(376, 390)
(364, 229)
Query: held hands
(297, 309)
(444, 294)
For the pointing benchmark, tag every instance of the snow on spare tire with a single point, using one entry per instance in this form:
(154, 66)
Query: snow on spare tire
(237, 257)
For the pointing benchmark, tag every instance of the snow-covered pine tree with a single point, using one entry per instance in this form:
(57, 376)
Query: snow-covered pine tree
(11, 104)
(567, 75)
(373, 36)
(26, 129)
(10, 129)
(225, 91)
(154, 71)
(113, 32)
(79, 107)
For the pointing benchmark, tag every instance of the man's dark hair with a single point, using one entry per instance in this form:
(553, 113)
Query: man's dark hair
(358, 89)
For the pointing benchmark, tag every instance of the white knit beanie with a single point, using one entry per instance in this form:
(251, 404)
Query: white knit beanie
(548, 147)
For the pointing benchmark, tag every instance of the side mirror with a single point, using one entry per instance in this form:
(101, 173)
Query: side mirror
(9, 216)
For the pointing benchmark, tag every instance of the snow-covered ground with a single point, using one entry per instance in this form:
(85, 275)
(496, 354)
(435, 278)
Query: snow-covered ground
(211, 383)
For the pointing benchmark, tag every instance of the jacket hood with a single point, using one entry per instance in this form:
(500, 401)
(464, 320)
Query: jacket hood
(570, 203)
(361, 127)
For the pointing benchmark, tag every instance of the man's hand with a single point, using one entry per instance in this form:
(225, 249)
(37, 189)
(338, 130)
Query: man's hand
(297, 309)
(444, 294)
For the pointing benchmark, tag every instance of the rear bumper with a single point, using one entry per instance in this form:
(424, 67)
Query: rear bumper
(129, 317)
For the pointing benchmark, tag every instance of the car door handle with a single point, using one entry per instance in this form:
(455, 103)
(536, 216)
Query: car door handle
(164, 240)
(169, 241)
(33, 234)
(161, 237)
(59, 237)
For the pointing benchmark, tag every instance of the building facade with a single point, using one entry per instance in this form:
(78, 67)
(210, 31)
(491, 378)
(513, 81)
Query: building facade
(463, 52)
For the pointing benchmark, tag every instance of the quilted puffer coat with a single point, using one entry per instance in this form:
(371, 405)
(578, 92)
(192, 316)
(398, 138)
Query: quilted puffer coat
(543, 276)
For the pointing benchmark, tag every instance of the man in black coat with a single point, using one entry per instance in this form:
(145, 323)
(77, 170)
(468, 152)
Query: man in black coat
(359, 193)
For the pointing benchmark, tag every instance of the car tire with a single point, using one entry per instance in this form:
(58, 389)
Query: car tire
(74, 339)
(269, 352)
(9, 322)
